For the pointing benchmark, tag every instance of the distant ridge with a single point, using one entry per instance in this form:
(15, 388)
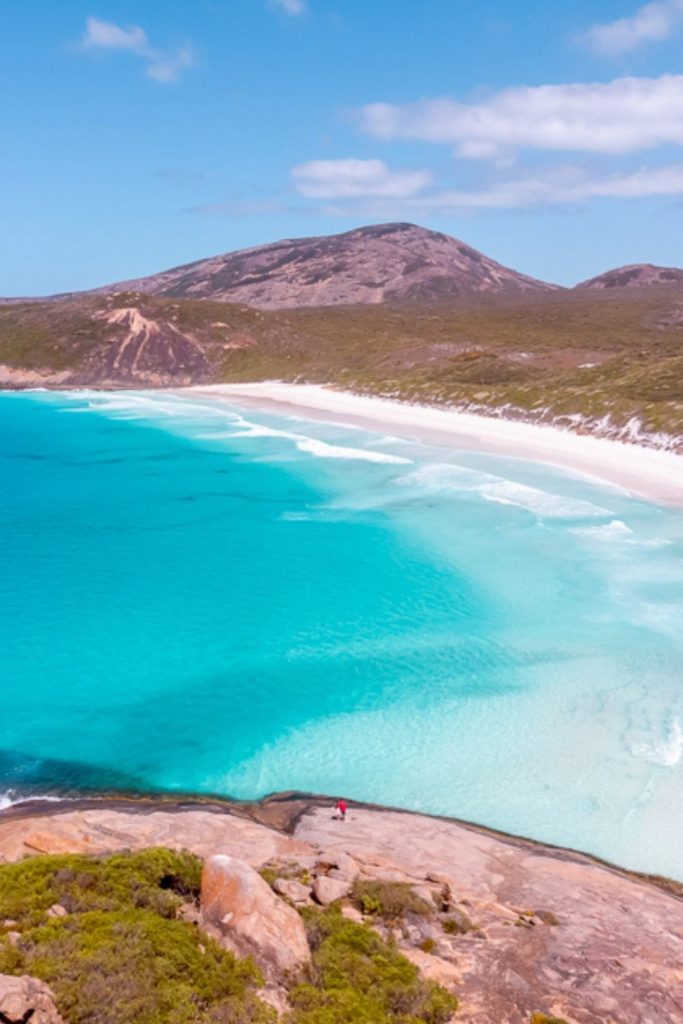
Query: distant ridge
(635, 275)
(369, 265)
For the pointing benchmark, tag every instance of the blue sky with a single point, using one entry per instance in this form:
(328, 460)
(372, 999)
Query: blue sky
(139, 135)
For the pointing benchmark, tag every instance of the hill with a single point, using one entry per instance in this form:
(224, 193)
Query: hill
(385, 262)
(635, 275)
(610, 360)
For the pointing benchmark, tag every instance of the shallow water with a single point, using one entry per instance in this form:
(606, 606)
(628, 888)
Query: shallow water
(198, 597)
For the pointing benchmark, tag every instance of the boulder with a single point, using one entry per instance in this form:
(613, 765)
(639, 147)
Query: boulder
(327, 890)
(352, 914)
(435, 968)
(292, 890)
(337, 864)
(250, 918)
(27, 999)
(426, 893)
(276, 997)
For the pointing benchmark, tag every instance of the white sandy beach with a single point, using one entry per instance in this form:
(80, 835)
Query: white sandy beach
(645, 472)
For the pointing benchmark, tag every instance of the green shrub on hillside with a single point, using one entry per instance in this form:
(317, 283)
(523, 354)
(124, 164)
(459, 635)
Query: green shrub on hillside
(119, 956)
(458, 923)
(389, 900)
(135, 967)
(156, 879)
(355, 977)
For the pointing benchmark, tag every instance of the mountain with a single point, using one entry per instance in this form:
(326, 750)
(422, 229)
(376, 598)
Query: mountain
(370, 265)
(635, 275)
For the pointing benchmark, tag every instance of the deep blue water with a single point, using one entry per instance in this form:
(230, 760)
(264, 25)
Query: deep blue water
(197, 597)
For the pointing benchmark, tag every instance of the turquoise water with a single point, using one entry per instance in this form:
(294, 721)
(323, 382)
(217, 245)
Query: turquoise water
(197, 597)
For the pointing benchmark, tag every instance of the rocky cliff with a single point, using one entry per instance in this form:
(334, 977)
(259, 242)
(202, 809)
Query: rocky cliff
(514, 929)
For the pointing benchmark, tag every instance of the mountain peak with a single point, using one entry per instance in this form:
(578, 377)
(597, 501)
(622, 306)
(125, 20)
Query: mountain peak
(397, 262)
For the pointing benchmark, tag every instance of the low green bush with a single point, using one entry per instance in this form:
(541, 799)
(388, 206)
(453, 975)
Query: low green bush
(119, 956)
(270, 875)
(389, 900)
(155, 879)
(355, 977)
(135, 967)
(543, 1018)
(547, 917)
(458, 923)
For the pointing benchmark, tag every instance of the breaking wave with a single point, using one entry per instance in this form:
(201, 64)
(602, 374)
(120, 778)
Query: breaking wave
(444, 477)
(617, 532)
(335, 451)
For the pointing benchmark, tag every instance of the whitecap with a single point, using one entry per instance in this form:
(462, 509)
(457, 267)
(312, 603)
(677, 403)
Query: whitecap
(665, 751)
(310, 445)
(10, 799)
(544, 504)
(258, 430)
(617, 532)
(147, 406)
(335, 451)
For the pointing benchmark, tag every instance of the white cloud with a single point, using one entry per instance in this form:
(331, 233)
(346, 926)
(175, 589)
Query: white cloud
(556, 186)
(291, 7)
(109, 36)
(566, 186)
(167, 67)
(161, 65)
(622, 116)
(351, 178)
(652, 23)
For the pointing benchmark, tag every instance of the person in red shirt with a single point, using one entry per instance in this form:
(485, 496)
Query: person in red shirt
(341, 809)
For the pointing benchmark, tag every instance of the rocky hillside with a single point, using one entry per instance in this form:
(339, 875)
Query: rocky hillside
(636, 275)
(383, 263)
(605, 360)
(385, 918)
(119, 340)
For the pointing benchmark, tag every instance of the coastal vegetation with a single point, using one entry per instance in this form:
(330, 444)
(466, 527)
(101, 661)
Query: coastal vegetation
(388, 900)
(104, 933)
(543, 1018)
(111, 937)
(356, 976)
(597, 360)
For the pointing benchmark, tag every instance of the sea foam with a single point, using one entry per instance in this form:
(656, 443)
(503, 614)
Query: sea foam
(666, 750)
(448, 477)
(333, 451)
(617, 532)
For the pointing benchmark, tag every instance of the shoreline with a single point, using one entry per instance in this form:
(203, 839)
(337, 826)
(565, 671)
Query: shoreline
(535, 927)
(283, 811)
(648, 473)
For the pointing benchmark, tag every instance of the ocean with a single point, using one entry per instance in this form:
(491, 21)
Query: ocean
(201, 598)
